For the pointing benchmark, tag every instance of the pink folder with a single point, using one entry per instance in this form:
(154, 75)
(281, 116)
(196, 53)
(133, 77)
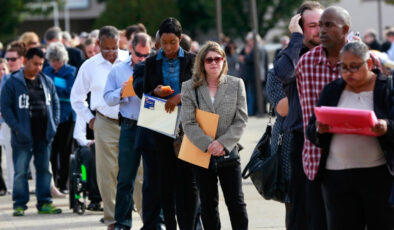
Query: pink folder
(347, 121)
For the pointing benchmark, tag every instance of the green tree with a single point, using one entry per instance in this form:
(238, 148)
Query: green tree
(122, 13)
(12, 13)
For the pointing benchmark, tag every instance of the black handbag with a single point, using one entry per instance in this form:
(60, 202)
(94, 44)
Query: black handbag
(230, 159)
(264, 168)
(178, 140)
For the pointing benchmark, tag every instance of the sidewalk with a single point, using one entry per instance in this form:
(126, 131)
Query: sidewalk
(267, 215)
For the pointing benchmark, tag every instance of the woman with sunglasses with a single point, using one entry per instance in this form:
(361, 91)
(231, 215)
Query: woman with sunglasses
(356, 181)
(14, 57)
(224, 95)
(3, 71)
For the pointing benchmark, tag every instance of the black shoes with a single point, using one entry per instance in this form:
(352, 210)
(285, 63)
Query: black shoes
(121, 227)
(95, 206)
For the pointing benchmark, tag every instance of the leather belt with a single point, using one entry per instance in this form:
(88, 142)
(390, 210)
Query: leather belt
(127, 120)
(108, 118)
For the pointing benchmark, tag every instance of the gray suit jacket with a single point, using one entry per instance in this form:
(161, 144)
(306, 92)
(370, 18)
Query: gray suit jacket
(230, 104)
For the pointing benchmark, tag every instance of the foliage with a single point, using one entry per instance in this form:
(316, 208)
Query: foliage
(198, 16)
(12, 13)
(122, 13)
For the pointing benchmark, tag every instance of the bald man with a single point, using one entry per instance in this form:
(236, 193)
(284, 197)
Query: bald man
(315, 69)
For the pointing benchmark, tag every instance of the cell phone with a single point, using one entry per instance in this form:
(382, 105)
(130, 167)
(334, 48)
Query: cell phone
(301, 23)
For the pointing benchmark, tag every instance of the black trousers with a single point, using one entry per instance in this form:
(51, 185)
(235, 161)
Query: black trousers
(356, 198)
(306, 201)
(178, 189)
(231, 183)
(88, 157)
(3, 187)
(61, 151)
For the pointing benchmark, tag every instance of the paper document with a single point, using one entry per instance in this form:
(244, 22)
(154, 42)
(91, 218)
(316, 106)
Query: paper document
(129, 90)
(189, 152)
(347, 121)
(153, 116)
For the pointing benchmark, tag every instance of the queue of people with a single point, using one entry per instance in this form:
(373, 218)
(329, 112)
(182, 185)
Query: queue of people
(53, 95)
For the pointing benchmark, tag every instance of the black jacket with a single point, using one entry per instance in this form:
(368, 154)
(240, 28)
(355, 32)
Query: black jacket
(153, 74)
(383, 108)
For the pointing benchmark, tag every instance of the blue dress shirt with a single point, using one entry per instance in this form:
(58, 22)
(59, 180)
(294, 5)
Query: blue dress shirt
(129, 107)
(171, 70)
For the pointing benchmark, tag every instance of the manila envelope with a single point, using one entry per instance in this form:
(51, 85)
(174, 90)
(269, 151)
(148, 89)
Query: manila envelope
(129, 90)
(189, 152)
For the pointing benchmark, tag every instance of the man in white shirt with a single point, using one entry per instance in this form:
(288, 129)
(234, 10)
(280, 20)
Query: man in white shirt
(129, 108)
(92, 77)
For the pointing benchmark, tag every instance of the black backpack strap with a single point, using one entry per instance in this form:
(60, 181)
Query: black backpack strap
(198, 102)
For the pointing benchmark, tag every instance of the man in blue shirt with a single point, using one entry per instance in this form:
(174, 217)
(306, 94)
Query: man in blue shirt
(129, 108)
(30, 107)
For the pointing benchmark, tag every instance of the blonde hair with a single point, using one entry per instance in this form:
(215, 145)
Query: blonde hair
(28, 37)
(199, 73)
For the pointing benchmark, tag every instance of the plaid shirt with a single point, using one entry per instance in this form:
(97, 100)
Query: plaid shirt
(314, 71)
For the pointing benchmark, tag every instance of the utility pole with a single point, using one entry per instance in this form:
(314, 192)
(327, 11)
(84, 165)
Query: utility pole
(219, 24)
(380, 20)
(55, 13)
(67, 18)
(257, 70)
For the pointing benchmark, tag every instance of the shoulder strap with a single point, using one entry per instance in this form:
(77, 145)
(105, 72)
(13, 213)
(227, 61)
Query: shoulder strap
(198, 101)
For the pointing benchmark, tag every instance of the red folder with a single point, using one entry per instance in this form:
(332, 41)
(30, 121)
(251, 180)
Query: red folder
(347, 121)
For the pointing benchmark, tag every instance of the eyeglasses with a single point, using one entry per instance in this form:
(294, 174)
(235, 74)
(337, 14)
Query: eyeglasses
(352, 69)
(11, 59)
(215, 59)
(109, 51)
(141, 55)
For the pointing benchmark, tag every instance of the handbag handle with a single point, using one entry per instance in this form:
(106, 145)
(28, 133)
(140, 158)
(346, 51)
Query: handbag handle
(198, 101)
(251, 166)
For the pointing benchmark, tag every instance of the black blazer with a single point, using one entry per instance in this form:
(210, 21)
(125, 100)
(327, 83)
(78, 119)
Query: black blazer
(75, 57)
(153, 74)
(383, 108)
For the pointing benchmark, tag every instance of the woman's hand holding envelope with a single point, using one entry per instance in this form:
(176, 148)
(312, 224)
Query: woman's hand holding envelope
(163, 91)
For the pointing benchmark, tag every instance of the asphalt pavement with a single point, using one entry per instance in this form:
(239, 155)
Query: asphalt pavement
(268, 215)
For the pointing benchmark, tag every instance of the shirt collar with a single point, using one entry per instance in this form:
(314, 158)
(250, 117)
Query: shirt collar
(320, 55)
(101, 59)
(160, 54)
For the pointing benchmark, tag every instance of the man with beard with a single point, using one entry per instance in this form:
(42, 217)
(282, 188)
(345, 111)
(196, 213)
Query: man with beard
(304, 27)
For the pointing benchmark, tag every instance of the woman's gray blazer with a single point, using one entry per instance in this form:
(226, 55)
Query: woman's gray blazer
(230, 104)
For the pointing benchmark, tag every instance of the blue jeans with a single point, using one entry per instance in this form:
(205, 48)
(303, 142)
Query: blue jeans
(129, 161)
(151, 208)
(21, 157)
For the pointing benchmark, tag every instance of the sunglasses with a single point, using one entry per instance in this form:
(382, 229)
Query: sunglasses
(141, 55)
(215, 59)
(11, 59)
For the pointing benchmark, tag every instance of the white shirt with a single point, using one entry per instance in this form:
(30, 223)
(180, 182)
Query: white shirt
(92, 77)
(355, 151)
(80, 132)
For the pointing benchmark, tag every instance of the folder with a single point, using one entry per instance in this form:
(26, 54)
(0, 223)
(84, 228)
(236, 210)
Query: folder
(129, 89)
(153, 116)
(189, 152)
(347, 121)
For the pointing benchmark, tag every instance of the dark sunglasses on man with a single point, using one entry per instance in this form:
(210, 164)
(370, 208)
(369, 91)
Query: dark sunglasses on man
(141, 55)
(11, 59)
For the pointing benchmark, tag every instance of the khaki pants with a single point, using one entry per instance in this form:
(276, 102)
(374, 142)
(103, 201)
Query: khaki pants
(106, 134)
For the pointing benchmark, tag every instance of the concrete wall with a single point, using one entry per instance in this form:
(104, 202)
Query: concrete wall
(365, 14)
